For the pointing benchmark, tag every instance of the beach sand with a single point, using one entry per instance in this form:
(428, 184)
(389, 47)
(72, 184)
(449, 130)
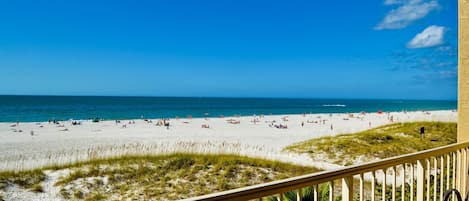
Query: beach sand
(42, 143)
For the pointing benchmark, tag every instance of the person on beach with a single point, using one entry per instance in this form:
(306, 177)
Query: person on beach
(422, 132)
(332, 128)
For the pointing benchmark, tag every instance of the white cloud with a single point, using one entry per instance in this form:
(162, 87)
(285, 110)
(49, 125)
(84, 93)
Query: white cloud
(431, 36)
(449, 74)
(444, 48)
(394, 2)
(408, 12)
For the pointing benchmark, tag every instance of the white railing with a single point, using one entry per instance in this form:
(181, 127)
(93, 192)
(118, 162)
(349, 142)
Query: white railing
(421, 176)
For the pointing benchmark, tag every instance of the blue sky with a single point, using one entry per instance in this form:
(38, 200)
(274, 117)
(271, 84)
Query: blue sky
(403, 49)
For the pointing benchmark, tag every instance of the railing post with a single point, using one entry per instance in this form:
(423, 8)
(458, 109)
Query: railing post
(383, 194)
(299, 195)
(373, 185)
(420, 180)
(465, 173)
(428, 180)
(459, 172)
(412, 176)
(442, 175)
(435, 178)
(394, 175)
(403, 182)
(315, 192)
(362, 187)
(347, 188)
(454, 173)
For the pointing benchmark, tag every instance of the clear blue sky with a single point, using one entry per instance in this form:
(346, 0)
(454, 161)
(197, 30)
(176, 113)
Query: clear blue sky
(404, 49)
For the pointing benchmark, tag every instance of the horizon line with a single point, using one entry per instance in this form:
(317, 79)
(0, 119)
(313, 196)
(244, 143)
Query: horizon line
(232, 97)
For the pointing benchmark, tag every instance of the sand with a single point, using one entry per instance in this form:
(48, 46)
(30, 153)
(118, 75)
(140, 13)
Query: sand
(43, 143)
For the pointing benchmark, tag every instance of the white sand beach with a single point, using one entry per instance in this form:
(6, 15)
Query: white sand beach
(35, 144)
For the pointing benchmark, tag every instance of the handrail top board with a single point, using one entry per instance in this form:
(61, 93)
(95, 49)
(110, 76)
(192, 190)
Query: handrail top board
(270, 188)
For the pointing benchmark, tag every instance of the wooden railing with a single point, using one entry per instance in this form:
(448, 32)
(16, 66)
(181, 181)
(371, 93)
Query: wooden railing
(421, 176)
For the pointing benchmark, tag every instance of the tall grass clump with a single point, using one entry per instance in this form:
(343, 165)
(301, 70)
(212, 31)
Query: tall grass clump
(378, 143)
(25, 179)
(157, 177)
(77, 154)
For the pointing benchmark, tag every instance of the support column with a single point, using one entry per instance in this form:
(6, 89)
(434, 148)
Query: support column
(463, 71)
(463, 82)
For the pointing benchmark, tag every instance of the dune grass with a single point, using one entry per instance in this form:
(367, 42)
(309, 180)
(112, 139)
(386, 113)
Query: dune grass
(378, 143)
(162, 177)
(25, 179)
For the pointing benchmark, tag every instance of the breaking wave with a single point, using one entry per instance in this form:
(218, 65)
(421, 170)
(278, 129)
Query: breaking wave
(334, 105)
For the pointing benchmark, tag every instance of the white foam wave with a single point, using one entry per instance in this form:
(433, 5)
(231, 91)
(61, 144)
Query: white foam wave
(334, 105)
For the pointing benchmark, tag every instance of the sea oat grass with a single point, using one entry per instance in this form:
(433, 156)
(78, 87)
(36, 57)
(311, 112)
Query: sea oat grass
(378, 143)
(158, 177)
(25, 179)
(37, 188)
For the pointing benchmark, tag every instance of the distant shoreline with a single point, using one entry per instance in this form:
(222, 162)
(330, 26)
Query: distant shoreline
(211, 117)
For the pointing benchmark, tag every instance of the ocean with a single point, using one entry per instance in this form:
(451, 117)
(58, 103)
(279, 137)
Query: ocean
(44, 108)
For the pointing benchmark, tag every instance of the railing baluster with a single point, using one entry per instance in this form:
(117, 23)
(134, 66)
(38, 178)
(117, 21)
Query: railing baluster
(373, 185)
(435, 177)
(362, 187)
(394, 183)
(464, 172)
(428, 178)
(299, 195)
(347, 188)
(403, 182)
(331, 191)
(280, 197)
(448, 167)
(453, 181)
(411, 182)
(442, 175)
(459, 169)
(420, 180)
(383, 194)
(461, 172)
(315, 192)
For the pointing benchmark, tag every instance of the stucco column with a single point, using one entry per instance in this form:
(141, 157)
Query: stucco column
(463, 71)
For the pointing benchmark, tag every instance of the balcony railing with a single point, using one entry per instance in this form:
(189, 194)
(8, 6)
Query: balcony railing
(420, 176)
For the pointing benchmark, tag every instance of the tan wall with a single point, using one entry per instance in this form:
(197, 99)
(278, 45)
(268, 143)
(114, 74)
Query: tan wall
(463, 72)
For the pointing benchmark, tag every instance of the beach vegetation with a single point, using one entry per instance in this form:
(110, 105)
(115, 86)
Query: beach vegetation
(378, 143)
(157, 177)
(24, 179)
(37, 188)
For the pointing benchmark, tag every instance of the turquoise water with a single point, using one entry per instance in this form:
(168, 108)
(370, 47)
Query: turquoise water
(43, 108)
